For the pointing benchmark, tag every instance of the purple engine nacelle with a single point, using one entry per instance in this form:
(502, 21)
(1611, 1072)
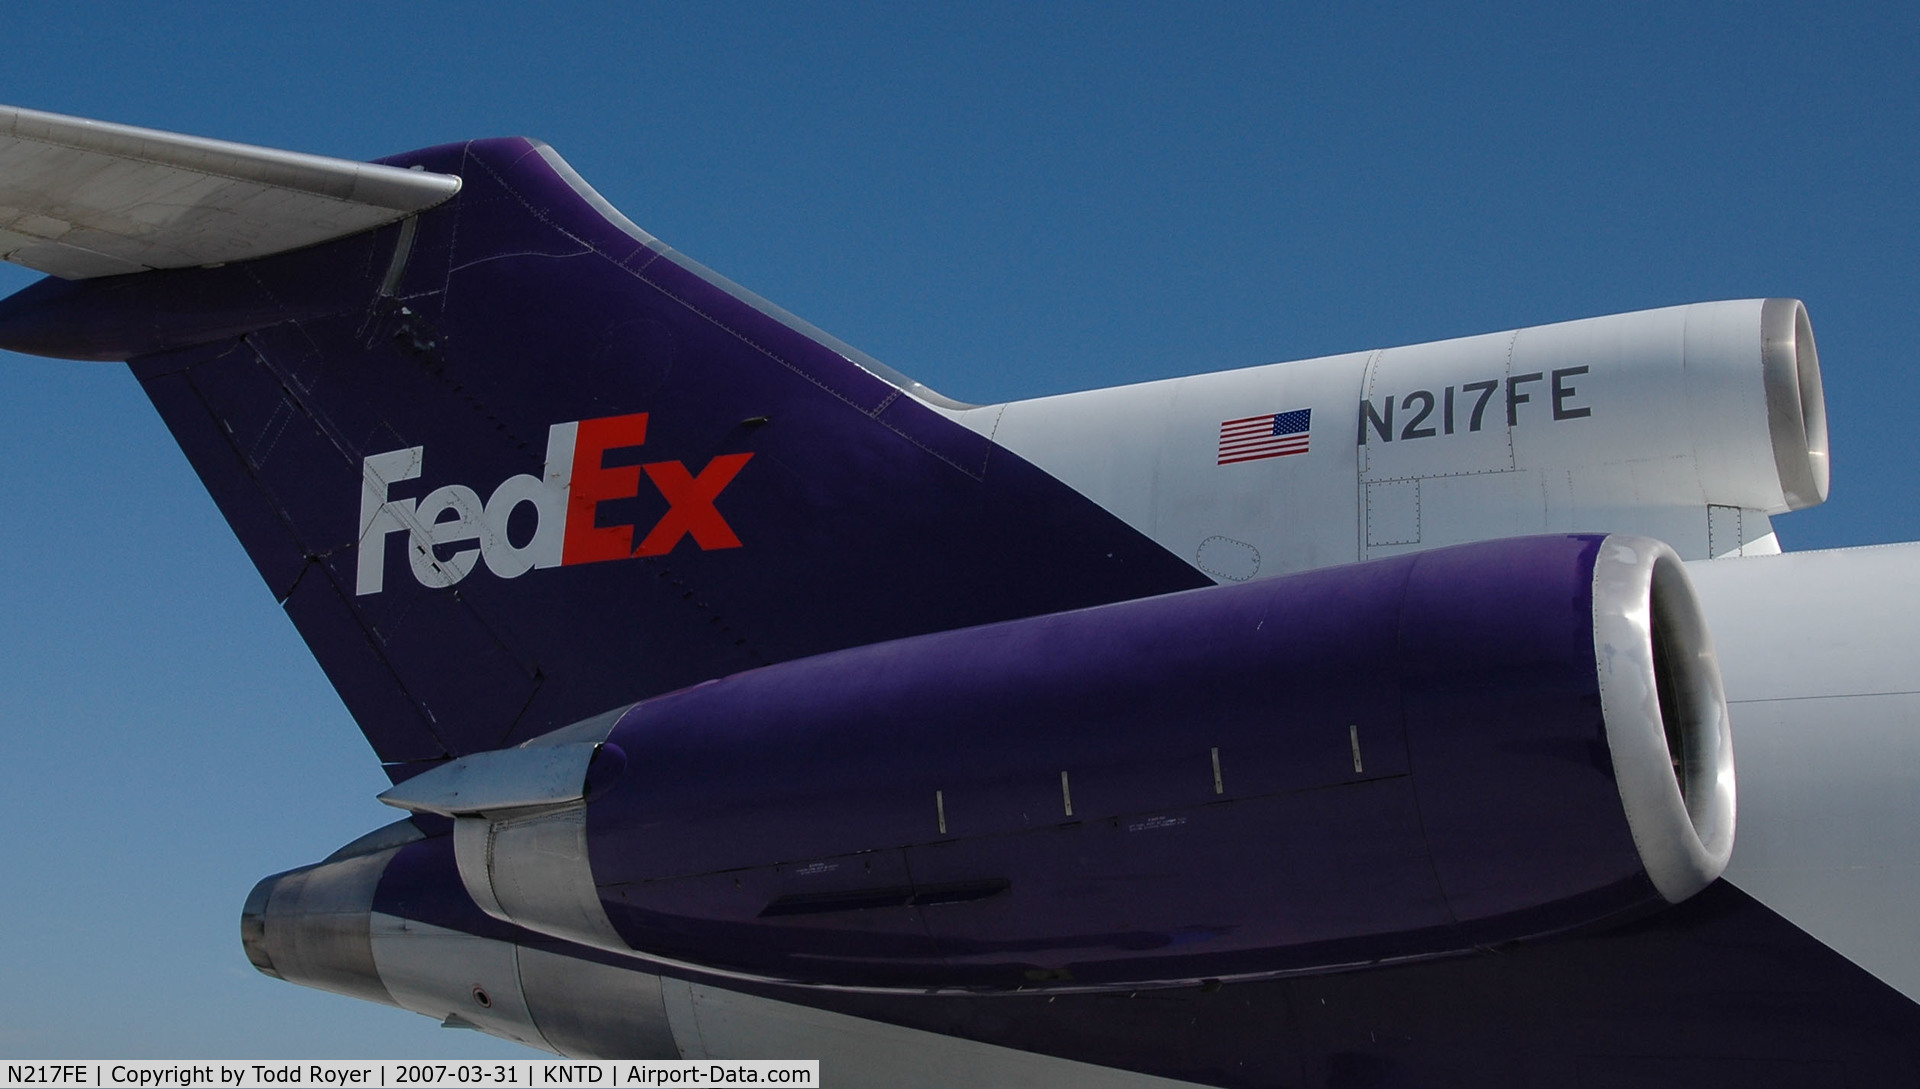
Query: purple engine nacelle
(1401, 758)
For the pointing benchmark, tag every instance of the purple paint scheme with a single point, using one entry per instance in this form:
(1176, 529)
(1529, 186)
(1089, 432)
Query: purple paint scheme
(863, 516)
(784, 821)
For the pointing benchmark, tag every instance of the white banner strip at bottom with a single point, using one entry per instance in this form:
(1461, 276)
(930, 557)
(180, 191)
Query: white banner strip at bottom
(414, 1074)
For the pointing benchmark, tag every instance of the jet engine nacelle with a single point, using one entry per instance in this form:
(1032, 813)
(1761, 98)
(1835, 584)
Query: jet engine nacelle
(1692, 424)
(1717, 403)
(1402, 758)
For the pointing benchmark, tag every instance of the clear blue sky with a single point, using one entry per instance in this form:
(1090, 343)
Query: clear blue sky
(1001, 201)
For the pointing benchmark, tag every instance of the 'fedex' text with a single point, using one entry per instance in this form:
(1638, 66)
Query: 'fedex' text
(564, 500)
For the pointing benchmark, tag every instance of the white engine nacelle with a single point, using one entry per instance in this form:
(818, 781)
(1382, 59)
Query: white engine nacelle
(1691, 424)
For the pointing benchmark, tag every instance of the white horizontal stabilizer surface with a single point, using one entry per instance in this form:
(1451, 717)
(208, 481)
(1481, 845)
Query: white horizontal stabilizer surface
(82, 198)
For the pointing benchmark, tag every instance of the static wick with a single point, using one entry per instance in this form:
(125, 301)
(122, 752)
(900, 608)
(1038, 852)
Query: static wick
(1066, 793)
(1353, 738)
(1219, 786)
(940, 808)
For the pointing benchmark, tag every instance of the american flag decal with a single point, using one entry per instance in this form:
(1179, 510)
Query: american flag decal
(1276, 434)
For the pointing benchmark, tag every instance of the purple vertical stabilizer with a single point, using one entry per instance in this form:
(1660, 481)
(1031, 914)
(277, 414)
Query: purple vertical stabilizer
(512, 462)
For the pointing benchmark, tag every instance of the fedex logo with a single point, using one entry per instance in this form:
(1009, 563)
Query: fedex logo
(565, 501)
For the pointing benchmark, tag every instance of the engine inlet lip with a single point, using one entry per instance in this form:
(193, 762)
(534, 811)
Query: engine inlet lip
(1687, 688)
(1666, 714)
(1796, 402)
(253, 927)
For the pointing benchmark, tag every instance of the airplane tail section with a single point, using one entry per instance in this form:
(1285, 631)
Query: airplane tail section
(508, 461)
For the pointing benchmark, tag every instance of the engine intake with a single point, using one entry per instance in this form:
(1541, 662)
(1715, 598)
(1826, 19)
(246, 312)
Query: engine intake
(1666, 715)
(1796, 402)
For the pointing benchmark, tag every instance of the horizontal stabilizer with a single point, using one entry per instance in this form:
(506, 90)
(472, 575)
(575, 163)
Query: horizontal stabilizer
(82, 198)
